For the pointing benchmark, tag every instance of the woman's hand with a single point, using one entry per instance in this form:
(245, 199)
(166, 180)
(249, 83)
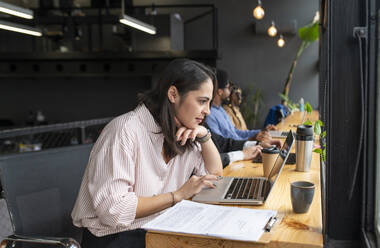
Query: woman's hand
(193, 186)
(149, 205)
(270, 127)
(210, 154)
(183, 133)
(262, 136)
(252, 152)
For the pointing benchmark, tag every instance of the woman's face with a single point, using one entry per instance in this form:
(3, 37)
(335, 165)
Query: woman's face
(193, 107)
(236, 98)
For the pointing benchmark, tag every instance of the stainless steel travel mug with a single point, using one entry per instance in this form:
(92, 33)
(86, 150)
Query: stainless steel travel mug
(304, 147)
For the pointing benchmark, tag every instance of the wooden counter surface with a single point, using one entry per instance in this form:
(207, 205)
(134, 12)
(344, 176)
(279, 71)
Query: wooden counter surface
(294, 231)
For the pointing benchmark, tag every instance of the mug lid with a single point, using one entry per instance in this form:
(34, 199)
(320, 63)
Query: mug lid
(305, 130)
(270, 150)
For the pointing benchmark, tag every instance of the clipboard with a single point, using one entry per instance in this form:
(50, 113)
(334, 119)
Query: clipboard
(265, 238)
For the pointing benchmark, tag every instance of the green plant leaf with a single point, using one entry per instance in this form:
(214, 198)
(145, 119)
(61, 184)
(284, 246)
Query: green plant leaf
(310, 32)
(318, 150)
(308, 108)
(322, 153)
(283, 97)
(291, 105)
(320, 123)
(317, 127)
(308, 122)
(323, 134)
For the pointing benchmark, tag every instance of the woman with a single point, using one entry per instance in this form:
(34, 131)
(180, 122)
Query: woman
(149, 159)
(233, 108)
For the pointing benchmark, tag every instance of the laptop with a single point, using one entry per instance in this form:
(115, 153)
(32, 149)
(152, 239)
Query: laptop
(247, 190)
(278, 134)
(284, 134)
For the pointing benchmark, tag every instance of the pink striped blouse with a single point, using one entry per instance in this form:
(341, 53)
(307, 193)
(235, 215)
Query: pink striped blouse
(125, 163)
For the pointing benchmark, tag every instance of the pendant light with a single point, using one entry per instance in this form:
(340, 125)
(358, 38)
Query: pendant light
(272, 30)
(259, 12)
(281, 41)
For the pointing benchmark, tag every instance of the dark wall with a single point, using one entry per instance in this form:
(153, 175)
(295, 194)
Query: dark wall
(69, 99)
(255, 59)
(251, 59)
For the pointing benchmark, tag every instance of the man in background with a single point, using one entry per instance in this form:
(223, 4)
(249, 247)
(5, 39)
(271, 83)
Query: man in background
(219, 121)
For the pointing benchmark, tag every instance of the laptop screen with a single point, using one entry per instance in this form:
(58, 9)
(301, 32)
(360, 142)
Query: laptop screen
(281, 158)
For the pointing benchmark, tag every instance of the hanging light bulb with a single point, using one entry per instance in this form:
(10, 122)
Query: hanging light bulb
(258, 12)
(281, 41)
(272, 30)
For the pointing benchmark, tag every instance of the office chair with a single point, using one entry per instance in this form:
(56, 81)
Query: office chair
(40, 189)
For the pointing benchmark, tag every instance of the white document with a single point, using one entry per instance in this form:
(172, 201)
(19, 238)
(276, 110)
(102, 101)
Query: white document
(210, 220)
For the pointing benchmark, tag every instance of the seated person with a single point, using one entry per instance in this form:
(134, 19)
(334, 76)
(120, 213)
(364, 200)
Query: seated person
(233, 108)
(276, 114)
(149, 159)
(218, 120)
(235, 150)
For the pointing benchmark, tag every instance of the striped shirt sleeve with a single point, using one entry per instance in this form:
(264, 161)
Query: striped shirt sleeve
(110, 185)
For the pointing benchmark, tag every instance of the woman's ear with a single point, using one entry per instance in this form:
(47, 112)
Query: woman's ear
(173, 94)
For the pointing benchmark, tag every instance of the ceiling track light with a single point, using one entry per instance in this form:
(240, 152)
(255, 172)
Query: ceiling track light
(135, 23)
(10, 26)
(259, 12)
(16, 10)
(272, 30)
(281, 41)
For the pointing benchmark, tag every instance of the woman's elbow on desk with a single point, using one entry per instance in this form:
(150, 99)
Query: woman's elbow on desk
(217, 172)
(211, 158)
(215, 167)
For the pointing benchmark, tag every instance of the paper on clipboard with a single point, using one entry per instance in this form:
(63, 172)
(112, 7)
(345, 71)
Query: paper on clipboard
(210, 220)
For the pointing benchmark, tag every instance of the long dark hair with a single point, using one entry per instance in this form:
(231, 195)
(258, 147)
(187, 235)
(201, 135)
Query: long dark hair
(186, 75)
(234, 88)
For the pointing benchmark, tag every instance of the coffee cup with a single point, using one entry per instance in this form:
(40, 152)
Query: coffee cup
(269, 156)
(301, 193)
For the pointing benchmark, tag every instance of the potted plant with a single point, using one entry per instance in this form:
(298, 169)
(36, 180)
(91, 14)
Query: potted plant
(252, 101)
(308, 34)
(317, 125)
(292, 106)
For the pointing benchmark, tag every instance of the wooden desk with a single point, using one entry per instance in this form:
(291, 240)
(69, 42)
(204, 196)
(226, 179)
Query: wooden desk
(294, 231)
(295, 119)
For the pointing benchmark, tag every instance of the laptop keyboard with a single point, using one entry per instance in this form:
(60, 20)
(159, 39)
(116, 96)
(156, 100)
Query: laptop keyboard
(278, 133)
(284, 133)
(247, 188)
